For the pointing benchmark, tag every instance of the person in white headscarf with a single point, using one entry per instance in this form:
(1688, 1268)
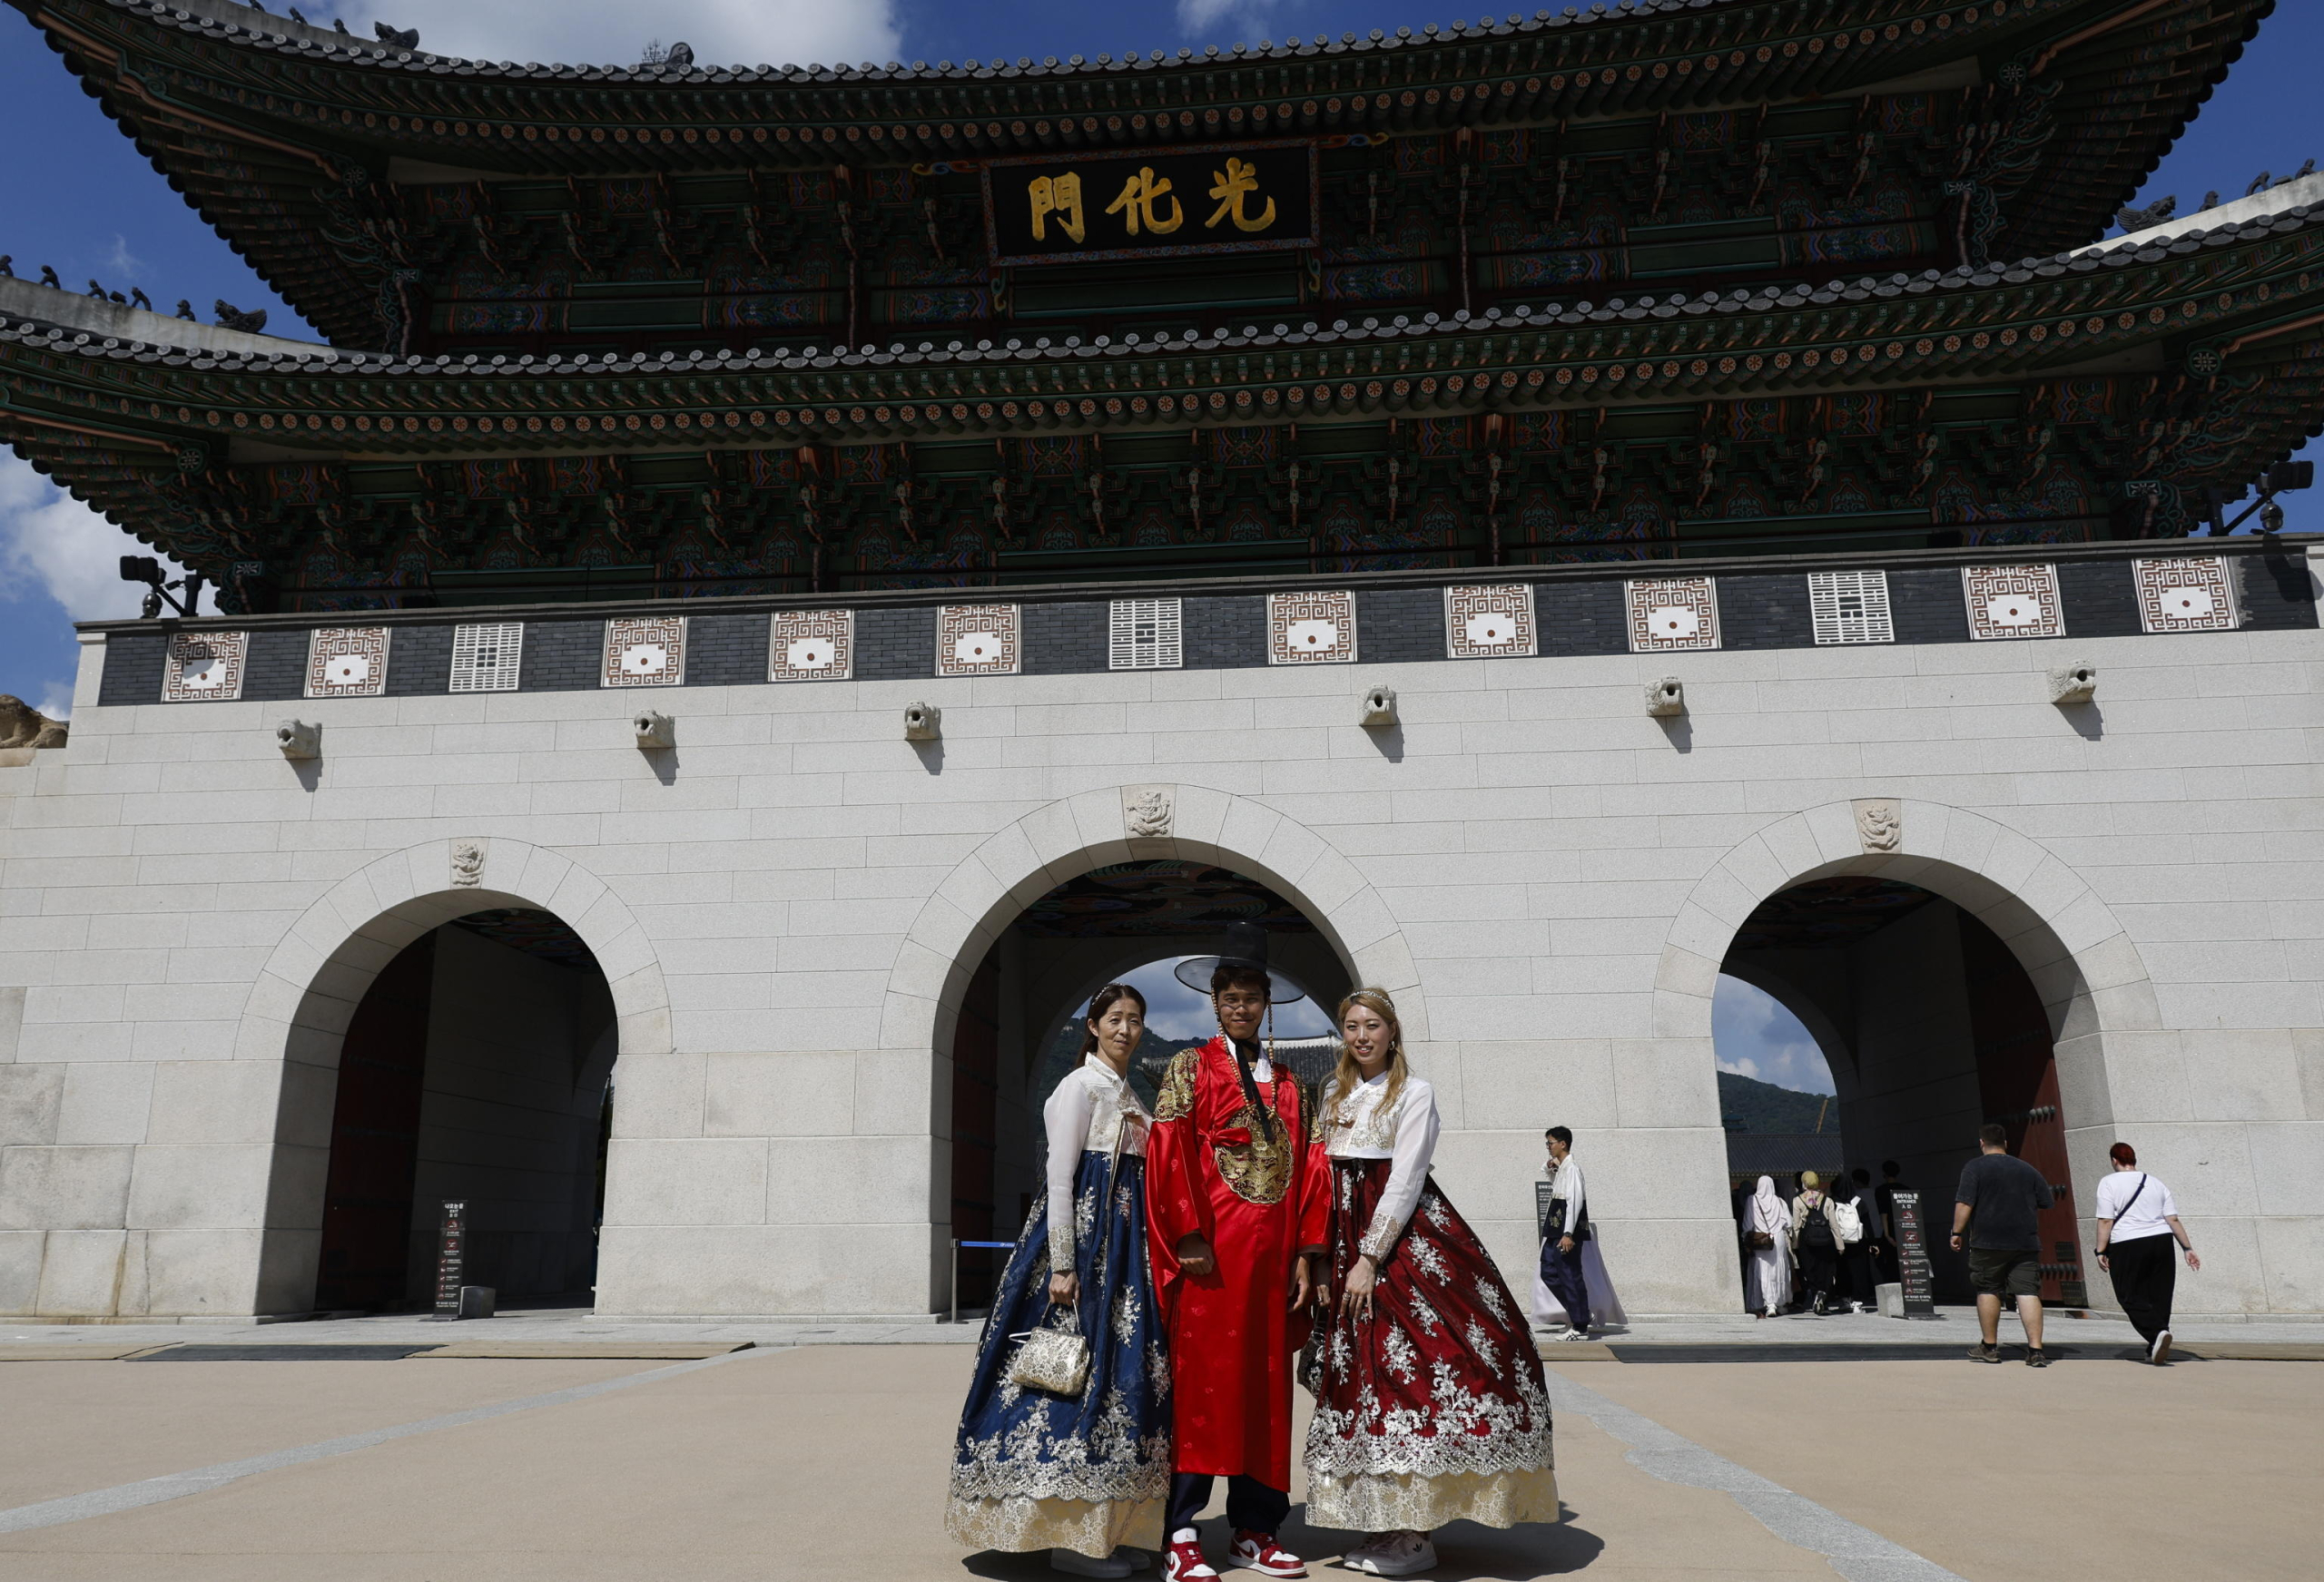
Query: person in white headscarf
(1766, 1250)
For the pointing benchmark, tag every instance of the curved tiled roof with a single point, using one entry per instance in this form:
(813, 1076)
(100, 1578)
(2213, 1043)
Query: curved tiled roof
(261, 29)
(141, 431)
(272, 129)
(2146, 248)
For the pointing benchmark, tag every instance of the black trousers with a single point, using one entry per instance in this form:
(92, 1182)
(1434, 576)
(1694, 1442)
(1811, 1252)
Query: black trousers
(1561, 1273)
(2145, 1272)
(1857, 1264)
(1251, 1505)
(1820, 1269)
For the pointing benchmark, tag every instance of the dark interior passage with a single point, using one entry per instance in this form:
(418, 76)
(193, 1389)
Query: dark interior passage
(1082, 935)
(476, 1066)
(1932, 1027)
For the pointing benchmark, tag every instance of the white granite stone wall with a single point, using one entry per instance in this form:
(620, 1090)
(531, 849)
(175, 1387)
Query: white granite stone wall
(788, 907)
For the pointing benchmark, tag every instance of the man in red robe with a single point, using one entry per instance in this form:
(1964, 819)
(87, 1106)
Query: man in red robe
(1238, 1197)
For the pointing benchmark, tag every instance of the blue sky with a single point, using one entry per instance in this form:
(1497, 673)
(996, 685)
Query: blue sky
(1754, 1035)
(92, 207)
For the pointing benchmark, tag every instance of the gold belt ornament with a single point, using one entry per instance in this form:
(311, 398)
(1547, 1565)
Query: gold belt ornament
(1254, 1162)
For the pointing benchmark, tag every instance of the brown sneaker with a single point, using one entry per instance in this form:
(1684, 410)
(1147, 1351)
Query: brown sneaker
(2035, 1358)
(1984, 1353)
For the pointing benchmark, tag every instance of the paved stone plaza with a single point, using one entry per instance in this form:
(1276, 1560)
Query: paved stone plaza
(818, 1461)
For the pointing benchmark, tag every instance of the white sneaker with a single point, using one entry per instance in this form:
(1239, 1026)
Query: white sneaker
(1182, 1558)
(1404, 1555)
(2159, 1352)
(1574, 1335)
(1080, 1565)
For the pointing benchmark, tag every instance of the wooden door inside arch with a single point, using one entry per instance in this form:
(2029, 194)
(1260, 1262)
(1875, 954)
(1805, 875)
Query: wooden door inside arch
(2018, 1082)
(374, 1138)
(975, 1123)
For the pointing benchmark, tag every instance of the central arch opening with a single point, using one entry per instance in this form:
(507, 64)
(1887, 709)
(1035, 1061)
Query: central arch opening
(1020, 1027)
(476, 1066)
(1930, 1028)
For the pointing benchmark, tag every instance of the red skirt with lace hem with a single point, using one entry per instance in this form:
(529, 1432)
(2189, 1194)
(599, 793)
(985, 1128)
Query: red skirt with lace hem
(1432, 1409)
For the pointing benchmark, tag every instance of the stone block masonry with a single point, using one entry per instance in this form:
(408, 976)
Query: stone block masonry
(788, 907)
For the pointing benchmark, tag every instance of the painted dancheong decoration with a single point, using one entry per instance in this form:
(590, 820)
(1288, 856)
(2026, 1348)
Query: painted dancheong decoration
(1518, 293)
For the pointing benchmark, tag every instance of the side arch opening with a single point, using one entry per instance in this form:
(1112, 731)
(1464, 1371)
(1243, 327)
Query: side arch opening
(1931, 1025)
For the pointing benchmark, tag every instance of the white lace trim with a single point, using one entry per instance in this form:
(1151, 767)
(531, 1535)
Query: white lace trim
(1460, 1432)
(1376, 1503)
(1018, 1524)
(1032, 1459)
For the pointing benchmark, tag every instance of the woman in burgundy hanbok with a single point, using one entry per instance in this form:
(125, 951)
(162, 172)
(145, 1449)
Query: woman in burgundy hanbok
(1430, 1406)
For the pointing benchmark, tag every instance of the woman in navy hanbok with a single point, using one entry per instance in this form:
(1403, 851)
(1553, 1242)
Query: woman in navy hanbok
(1032, 1470)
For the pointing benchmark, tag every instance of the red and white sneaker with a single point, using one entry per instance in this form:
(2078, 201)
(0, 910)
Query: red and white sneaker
(1182, 1561)
(1259, 1552)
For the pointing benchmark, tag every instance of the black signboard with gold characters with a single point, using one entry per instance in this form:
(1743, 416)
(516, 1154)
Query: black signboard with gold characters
(1226, 197)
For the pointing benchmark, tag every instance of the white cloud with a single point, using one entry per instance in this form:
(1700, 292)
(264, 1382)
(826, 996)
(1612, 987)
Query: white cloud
(120, 260)
(52, 542)
(1199, 16)
(614, 33)
(1754, 1035)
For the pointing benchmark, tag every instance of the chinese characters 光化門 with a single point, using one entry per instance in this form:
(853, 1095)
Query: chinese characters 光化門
(1147, 205)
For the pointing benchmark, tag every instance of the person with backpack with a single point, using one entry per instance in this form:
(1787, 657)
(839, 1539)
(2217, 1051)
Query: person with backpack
(2138, 1225)
(1818, 1224)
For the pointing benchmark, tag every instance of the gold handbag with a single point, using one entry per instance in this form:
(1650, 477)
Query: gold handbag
(1055, 1361)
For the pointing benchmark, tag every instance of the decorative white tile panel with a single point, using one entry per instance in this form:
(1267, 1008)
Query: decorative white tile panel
(1488, 623)
(644, 651)
(978, 640)
(1146, 634)
(347, 662)
(205, 667)
(1850, 606)
(811, 645)
(2013, 601)
(1311, 628)
(2194, 593)
(1672, 613)
(486, 657)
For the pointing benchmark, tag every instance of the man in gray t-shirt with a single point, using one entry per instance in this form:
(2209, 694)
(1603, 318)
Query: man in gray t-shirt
(1994, 1216)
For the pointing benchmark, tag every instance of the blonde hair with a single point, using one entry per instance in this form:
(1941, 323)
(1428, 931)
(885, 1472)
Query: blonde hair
(1347, 1073)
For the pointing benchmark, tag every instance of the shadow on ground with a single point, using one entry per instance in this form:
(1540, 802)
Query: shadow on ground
(1466, 1551)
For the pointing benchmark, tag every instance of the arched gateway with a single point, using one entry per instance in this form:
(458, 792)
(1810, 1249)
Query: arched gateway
(777, 623)
(1996, 1003)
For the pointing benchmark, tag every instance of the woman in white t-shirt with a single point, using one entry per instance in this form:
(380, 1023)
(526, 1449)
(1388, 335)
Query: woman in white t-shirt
(2137, 1225)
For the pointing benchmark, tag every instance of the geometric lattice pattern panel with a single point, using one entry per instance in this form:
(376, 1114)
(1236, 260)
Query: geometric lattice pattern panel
(1850, 606)
(347, 662)
(978, 640)
(1671, 613)
(2013, 601)
(1488, 623)
(811, 645)
(1311, 628)
(205, 667)
(488, 657)
(644, 651)
(1146, 634)
(2193, 595)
